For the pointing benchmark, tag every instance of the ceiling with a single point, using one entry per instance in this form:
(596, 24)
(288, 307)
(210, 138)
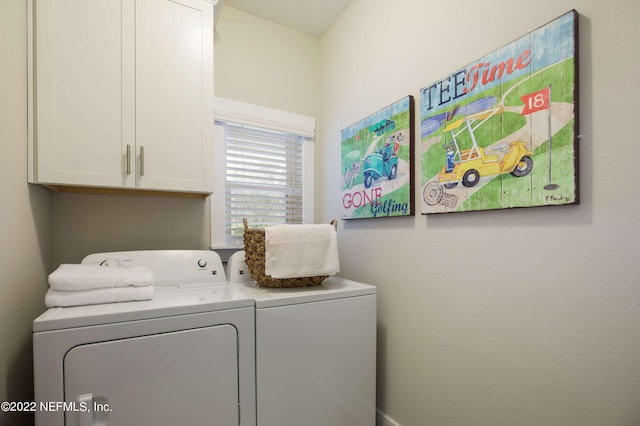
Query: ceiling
(310, 16)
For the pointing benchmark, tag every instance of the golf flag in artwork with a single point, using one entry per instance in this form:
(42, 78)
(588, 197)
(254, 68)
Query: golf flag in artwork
(535, 101)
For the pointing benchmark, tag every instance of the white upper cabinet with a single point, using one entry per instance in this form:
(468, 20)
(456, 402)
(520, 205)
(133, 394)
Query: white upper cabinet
(122, 94)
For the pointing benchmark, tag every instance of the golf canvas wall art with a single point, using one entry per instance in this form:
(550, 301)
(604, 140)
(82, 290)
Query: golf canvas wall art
(377, 164)
(502, 131)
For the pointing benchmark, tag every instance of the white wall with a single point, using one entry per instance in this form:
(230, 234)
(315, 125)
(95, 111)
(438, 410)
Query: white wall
(87, 223)
(24, 221)
(522, 317)
(264, 63)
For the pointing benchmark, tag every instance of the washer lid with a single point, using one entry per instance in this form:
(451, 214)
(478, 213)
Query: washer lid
(331, 288)
(167, 301)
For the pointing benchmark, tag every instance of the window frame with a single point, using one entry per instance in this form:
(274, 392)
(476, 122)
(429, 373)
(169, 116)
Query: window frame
(228, 110)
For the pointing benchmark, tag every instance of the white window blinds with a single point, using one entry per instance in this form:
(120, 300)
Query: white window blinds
(263, 178)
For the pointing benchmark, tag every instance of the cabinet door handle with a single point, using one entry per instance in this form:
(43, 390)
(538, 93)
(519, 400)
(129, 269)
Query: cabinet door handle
(142, 161)
(128, 159)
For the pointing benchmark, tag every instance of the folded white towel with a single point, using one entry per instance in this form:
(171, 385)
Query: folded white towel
(96, 296)
(293, 251)
(70, 277)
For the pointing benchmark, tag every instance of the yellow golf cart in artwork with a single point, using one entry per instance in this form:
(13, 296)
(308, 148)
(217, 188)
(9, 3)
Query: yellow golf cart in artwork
(469, 165)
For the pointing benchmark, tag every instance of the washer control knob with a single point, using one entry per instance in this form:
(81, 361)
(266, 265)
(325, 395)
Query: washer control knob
(202, 263)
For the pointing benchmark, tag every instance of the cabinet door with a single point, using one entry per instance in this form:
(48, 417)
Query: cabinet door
(186, 377)
(174, 94)
(84, 92)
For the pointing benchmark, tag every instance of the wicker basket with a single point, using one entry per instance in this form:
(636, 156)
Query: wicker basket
(255, 260)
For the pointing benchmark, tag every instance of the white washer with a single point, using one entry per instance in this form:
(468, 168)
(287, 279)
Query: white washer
(187, 357)
(315, 354)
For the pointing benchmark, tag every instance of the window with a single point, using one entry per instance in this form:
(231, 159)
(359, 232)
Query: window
(264, 171)
(263, 179)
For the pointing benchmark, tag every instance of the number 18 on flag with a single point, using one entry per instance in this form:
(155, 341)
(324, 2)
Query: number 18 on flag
(535, 101)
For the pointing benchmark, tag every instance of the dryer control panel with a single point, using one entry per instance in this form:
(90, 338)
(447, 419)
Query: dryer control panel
(169, 267)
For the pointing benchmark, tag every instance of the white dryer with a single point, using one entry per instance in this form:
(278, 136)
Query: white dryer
(186, 357)
(315, 354)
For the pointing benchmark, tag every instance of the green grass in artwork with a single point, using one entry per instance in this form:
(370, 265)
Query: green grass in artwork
(506, 191)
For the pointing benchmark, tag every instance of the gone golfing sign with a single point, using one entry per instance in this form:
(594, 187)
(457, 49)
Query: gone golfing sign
(377, 164)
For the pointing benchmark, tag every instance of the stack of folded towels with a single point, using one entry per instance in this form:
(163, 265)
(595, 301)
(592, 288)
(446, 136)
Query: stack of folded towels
(76, 285)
